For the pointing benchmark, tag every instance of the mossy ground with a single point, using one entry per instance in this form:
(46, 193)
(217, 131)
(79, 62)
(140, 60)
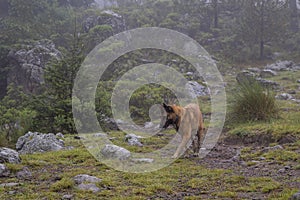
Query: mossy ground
(254, 176)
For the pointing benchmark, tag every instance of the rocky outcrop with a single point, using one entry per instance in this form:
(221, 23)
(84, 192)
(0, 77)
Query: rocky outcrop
(283, 66)
(38, 142)
(259, 75)
(196, 90)
(27, 64)
(107, 17)
(9, 156)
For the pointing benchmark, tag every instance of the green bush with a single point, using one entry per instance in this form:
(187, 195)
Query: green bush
(252, 102)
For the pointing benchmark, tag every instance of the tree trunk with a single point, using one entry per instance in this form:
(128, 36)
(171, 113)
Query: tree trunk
(216, 13)
(262, 29)
(294, 24)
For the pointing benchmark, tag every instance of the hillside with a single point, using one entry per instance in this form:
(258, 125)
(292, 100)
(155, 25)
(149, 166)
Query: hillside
(248, 49)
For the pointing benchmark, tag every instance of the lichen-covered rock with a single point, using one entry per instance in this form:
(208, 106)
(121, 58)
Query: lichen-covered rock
(133, 140)
(196, 90)
(267, 73)
(83, 178)
(106, 17)
(113, 151)
(87, 182)
(285, 65)
(3, 170)
(38, 142)
(25, 174)
(9, 156)
(296, 196)
(28, 63)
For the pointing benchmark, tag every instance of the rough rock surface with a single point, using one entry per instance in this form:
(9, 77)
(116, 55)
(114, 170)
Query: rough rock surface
(283, 66)
(38, 142)
(133, 140)
(28, 63)
(87, 182)
(196, 90)
(3, 170)
(82, 178)
(106, 17)
(25, 174)
(9, 155)
(113, 151)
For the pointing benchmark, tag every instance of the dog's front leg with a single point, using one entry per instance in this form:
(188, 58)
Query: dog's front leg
(185, 138)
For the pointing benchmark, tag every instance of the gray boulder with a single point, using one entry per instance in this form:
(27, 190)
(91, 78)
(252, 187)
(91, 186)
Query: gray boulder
(267, 73)
(3, 170)
(87, 182)
(281, 66)
(245, 76)
(24, 174)
(106, 17)
(133, 140)
(84, 178)
(268, 84)
(38, 142)
(9, 155)
(196, 90)
(89, 187)
(274, 148)
(28, 63)
(296, 196)
(284, 96)
(250, 77)
(113, 151)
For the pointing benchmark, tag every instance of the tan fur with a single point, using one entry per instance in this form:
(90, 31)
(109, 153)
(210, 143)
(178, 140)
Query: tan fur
(189, 122)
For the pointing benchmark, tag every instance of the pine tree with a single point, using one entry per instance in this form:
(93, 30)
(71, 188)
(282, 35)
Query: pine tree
(59, 78)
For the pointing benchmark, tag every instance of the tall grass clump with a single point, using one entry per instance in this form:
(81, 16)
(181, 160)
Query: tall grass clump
(253, 102)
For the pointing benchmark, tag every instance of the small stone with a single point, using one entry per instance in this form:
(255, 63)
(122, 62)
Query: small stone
(68, 196)
(266, 73)
(133, 140)
(296, 196)
(143, 160)
(281, 170)
(82, 178)
(90, 187)
(274, 148)
(9, 155)
(13, 192)
(9, 184)
(284, 96)
(298, 81)
(25, 173)
(113, 151)
(262, 158)
(287, 167)
(60, 135)
(102, 135)
(3, 171)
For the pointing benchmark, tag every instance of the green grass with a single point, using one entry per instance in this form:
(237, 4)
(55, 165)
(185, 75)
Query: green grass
(52, 172)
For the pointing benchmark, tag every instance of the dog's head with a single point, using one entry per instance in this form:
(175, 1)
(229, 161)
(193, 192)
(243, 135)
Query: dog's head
(170, 118)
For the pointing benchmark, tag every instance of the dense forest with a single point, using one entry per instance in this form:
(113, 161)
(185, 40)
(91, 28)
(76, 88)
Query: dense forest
(43, 43)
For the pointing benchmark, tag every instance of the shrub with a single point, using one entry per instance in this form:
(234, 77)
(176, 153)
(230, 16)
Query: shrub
(253, 102)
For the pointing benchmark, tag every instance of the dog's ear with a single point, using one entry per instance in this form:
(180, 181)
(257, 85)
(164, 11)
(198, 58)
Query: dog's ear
(167, 108)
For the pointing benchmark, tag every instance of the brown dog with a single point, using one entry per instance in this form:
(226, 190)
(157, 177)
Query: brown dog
(186, 120)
